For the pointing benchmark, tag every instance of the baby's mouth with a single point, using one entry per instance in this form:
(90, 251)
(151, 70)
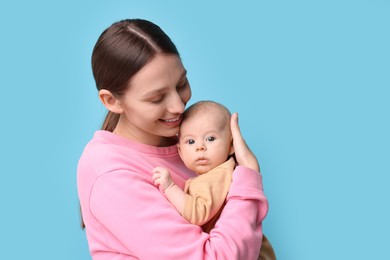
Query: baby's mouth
(202, 160)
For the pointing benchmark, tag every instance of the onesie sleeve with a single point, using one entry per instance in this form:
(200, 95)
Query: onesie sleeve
(130, 209)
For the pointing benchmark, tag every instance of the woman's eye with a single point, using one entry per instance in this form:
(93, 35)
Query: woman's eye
(157, 100)
(210, 139)
(190, 141)
(182, 86)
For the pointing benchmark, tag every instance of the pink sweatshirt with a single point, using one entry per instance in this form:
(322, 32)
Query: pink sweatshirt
(127, 217)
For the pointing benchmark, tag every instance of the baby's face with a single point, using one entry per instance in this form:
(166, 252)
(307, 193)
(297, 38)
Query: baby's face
(205, 142)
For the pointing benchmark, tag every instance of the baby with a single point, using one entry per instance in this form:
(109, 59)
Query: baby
(206, 147)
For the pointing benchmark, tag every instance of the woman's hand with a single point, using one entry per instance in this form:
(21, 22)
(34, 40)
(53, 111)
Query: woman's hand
(244, 155)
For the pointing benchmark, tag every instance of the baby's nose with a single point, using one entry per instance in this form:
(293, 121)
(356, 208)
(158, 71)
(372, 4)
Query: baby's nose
(200, 147)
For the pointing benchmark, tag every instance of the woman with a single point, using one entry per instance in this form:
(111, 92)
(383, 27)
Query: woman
(142, 82)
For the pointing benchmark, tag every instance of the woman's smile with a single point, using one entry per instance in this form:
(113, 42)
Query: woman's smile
(172, 122)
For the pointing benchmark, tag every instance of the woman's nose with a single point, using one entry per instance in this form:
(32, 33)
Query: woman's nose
(176, 105)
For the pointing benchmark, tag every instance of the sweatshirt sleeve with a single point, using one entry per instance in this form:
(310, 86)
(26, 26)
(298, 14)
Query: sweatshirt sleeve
(132, 210)
(243, 214)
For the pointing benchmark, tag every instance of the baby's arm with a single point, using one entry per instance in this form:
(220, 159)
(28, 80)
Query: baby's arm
(174, 194)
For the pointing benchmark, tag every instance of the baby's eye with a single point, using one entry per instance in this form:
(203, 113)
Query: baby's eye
(210, 138)
(190, 141)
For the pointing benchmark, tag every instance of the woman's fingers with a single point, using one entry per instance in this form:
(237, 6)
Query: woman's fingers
(238, 141)
(244, 155)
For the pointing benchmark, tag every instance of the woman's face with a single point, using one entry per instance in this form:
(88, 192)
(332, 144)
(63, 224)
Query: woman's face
(155, 99)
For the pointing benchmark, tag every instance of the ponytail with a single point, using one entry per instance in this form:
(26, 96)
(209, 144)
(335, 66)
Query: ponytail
(82, 224)
(110, 121)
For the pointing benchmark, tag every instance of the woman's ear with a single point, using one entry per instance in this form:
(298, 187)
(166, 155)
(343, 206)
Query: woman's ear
(110, 102)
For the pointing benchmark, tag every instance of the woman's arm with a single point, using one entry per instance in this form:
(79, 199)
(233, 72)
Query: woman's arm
(134, 218)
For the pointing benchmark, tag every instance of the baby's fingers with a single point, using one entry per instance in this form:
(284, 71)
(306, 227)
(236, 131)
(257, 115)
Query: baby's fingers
(156, 179)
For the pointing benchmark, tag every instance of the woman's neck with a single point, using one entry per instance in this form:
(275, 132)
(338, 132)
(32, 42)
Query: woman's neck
(168, 141)
(158, 141)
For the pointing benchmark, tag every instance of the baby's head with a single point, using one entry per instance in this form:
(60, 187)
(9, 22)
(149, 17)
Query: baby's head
(205, 139)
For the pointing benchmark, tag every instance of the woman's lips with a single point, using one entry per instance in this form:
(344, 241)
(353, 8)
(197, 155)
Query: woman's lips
(171, 122)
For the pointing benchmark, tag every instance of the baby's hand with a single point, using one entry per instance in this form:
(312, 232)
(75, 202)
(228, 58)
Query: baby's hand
(162, 178)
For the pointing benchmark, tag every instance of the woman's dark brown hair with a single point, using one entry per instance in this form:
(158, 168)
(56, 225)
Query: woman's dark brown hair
(121, 51)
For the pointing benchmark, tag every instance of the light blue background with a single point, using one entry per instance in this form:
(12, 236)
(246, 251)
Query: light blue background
(310, 80)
